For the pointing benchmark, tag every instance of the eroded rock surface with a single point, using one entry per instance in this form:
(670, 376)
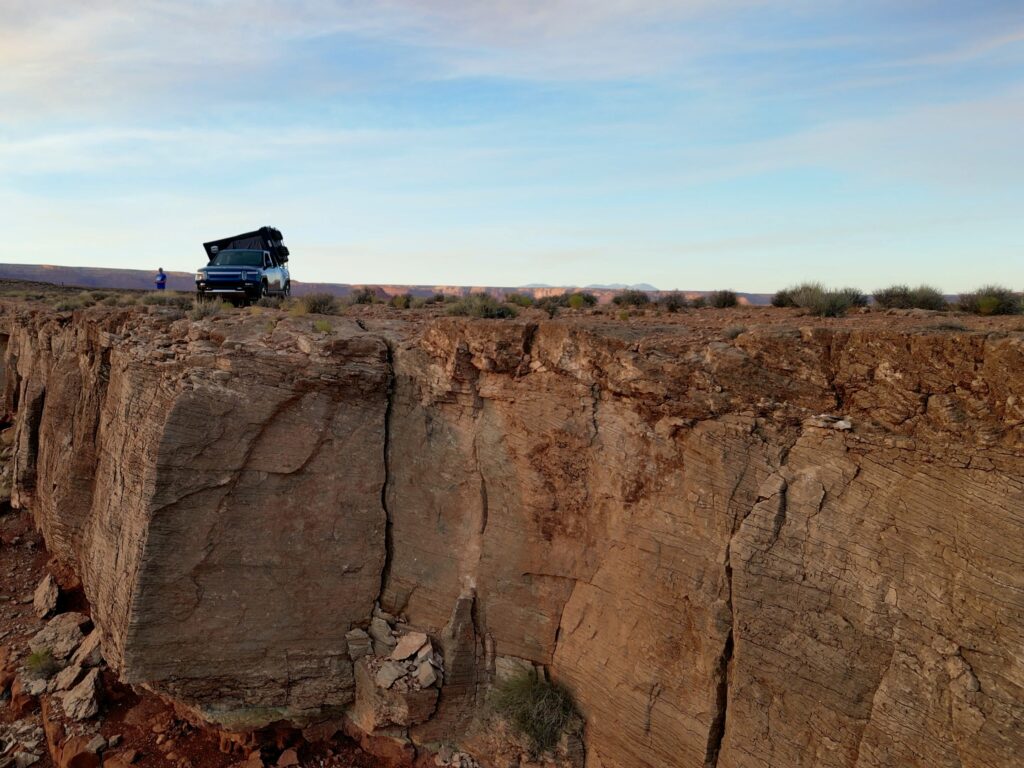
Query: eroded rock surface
(796, 545)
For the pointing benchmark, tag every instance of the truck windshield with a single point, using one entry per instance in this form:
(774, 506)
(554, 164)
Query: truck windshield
(238, 258)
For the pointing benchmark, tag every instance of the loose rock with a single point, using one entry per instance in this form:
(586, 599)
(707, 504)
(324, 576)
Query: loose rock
(45, 599)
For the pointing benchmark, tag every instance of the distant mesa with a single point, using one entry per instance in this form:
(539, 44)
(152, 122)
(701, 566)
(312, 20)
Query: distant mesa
(622, 287)
(142, 280)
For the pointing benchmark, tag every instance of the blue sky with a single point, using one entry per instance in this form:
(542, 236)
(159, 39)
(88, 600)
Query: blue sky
(690, 144)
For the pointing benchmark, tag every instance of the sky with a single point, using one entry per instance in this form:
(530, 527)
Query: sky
(696, 144)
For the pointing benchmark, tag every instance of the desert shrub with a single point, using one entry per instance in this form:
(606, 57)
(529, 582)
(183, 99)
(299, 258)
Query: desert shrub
(480, 305)
(519, 299)
(109, 301)
(537, 709)
(854, 297)
(818, 300)
(699, 302)
(362, 296)
(166, 299)
(68, 305)
(41, 663)
(320, 304)
(631, 298)
(927, 297)
(551, 304)
(722, 299)
(581, 299)
(905, 297)
(991, 300)
(624, 314)
(322, 326)
(894, 297)
(783, 298)
(203, 309)
(672, 302)
(270, 302)
(401, 301)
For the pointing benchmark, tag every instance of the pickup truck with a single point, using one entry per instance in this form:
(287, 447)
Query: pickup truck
(246, 267)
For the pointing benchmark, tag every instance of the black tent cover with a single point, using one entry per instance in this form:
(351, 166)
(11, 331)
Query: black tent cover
(263, 239)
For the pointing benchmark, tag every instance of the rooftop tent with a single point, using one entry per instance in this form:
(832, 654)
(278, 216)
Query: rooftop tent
(264, 239)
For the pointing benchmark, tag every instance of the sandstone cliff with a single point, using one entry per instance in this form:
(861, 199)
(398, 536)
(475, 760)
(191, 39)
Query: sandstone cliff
(653, 512)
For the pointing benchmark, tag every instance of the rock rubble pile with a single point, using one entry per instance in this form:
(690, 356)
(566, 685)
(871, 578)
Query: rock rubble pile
(401, 659)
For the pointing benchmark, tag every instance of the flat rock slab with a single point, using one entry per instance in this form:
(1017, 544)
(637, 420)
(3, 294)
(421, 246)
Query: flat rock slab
(408, 645)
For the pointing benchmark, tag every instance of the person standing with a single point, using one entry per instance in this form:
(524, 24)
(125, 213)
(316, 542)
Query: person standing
(161, 279)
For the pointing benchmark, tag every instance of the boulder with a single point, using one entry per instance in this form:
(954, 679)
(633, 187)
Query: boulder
(61, 635)
(288, 758)
(426, 675)
(22, 702)
(82, 701)
(389, 673)
(45, 598)
(383, 638)
(78, 752)
(408, 645)
(378, 708)
(359, 643)
(90, 652)
(67, 677)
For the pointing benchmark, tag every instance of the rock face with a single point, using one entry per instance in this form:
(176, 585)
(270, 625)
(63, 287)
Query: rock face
(798, 545)
(221, 499)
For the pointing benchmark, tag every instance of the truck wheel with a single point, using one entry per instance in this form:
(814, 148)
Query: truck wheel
(287, 289)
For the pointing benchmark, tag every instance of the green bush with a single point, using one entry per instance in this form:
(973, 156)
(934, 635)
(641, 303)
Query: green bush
(672, 302)
(401, 301)
(270, 302)
(631, 298)
(581, 299)
(905, 297)
(519, 299)
(320, 304)
(699, 302)
(991, 300)
(322, 326)
(362, 296)
(927, 297)
(818, 300)
(480, 305)
(68, 305)
(537, 709)
(722, 299)
(783, 298)
(41, 663)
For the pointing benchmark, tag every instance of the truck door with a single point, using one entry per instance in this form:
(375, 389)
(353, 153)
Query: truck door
(272, 272)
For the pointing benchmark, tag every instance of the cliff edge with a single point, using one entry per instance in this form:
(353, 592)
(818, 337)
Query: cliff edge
(795, 542)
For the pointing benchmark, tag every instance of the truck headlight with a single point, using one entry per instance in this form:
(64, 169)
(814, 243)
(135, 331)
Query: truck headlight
(200, 277)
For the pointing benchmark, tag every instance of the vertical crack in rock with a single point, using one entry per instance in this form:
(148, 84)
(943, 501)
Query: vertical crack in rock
(716, 732)
(389, 393)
